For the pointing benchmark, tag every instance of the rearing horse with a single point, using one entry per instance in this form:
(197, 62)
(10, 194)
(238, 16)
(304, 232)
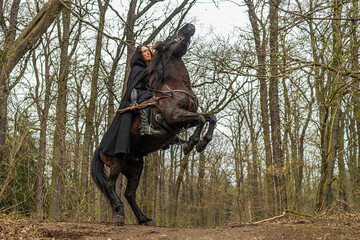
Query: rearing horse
(176, 110)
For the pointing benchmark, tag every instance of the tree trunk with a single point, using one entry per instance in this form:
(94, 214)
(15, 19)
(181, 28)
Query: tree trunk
(343, 186)
(59, 150)
(110, 84)
(201, 185)
(90, 111)
(192, 191)
(179, 180)
(260, 45)
(327, 177)
(162, 200)
(14, 50)
(9, 34)
(155, 181)
(279, 177)
(4, 94)
(171, 204)
(354, 51)
(252, 163)
(78, 135)
(130, 40)
(43, 116)
(330, 131)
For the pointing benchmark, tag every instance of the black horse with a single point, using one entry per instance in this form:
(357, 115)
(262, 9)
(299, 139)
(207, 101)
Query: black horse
(176, 110)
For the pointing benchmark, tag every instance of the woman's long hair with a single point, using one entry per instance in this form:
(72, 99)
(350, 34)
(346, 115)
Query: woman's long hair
(155, 72)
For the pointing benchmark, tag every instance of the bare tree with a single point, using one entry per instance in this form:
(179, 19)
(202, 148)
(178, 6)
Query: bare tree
(15, 48)
(87, 143)
(43, 113)
(354, 49)
(260, 38)
(331, 134)
(275, 109)
(59, 147)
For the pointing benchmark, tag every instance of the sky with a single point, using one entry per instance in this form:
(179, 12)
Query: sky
(222, 18)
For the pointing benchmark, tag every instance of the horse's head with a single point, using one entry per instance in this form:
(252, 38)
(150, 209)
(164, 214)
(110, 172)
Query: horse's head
(174, 47)
(177, 44)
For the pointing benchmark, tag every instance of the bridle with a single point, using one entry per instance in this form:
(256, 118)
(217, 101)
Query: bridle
(170, 92)
(176, 40)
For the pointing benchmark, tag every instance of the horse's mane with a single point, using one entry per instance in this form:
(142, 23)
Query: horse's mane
(155, 71)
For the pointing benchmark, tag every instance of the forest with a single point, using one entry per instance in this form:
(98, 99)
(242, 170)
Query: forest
(285, 90)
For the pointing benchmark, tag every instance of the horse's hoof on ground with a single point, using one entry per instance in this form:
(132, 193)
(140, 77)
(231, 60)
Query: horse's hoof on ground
(150, 223)
(119, 220)
(186, 148)
(201, 146)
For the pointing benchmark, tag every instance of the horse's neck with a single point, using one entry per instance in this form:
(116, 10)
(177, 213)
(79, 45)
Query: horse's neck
(177, 74)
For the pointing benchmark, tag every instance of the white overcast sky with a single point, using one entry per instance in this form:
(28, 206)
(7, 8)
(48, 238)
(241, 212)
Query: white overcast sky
(222, 18)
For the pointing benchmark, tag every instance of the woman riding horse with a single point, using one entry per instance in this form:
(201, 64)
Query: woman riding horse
(176, 109)
(117, 138)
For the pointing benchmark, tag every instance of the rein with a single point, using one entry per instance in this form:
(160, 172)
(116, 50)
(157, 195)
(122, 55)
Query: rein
(170, 93)
(178, 40)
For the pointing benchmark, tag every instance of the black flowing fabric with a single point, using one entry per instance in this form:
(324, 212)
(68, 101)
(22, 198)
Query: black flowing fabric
(116, 139)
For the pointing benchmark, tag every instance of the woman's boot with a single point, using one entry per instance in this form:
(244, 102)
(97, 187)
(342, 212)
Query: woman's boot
(145, 127)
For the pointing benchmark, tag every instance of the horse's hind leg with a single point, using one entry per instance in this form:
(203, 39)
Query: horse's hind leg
(116, 204)
(132, 171)
(211, 118)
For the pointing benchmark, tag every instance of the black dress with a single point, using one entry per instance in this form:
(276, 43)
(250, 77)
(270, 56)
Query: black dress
(116, 139)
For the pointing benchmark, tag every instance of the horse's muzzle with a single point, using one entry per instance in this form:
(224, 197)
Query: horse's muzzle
(187, 31)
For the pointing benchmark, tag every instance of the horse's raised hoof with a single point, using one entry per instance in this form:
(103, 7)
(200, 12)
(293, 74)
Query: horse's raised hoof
(201, 146)
(186, 148)
(119, 220)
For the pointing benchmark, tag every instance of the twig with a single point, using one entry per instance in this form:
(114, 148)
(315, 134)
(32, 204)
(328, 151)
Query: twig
(270, 219)
(90, 24)
(299, 214)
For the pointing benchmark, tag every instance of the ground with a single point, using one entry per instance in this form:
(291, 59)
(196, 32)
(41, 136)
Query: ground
(343, 226)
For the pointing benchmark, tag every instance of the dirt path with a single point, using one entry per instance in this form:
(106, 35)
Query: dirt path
(339, 228)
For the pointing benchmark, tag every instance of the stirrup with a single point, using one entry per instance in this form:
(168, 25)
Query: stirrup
(150, 131)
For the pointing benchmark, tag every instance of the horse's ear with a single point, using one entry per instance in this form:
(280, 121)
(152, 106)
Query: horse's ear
(159, 46)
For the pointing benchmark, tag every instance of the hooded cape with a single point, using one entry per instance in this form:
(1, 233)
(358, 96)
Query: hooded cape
(116, 139)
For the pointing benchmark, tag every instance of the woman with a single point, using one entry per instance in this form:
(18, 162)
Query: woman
(137, 64)
(116, 139)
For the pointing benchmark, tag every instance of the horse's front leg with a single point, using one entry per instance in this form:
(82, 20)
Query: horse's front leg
(190, 118)
(211, 118)
(132, 171)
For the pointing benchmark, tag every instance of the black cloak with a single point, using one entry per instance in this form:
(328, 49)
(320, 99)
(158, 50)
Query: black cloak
(116, 139)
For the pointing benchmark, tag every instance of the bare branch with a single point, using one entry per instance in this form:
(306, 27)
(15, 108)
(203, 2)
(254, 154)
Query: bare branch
(165, 22)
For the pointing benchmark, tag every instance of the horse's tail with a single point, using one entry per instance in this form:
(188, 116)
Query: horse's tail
(98, 173)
